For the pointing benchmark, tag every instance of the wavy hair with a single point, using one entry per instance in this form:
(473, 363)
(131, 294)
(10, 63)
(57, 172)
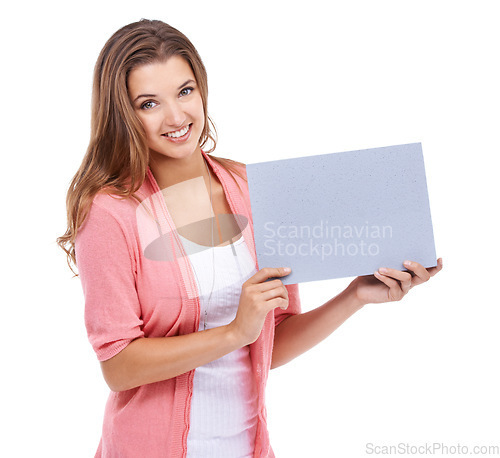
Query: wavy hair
(117, 156)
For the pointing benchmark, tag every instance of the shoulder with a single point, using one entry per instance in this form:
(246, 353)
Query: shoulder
(108, 229)
(242, 168)
(230, 162)
(121, 209)
(234, 168)
(227, 160)
(110, 214)
(237, 164)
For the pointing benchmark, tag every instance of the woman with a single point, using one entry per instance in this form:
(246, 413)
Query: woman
(161, 233)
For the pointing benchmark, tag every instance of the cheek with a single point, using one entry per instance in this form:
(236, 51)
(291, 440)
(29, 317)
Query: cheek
(196, 108)
(201, 116)
(150, 125)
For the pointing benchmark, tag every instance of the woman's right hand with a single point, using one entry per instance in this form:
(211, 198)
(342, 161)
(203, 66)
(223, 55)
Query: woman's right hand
(258, 298)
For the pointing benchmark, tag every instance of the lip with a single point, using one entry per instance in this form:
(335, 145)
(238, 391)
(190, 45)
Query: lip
(182, 139)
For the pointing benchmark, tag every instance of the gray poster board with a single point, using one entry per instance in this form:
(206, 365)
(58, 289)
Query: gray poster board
(342, 214)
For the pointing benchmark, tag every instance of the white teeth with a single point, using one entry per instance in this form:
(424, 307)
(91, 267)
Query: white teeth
(178, 133)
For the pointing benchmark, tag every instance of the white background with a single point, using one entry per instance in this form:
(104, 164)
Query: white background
(286, 79)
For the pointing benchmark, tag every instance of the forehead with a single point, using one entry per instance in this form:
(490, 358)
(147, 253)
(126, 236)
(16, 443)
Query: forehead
(159, 76)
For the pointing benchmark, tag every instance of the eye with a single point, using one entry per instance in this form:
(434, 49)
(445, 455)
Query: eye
(148, 105)
(186, 91)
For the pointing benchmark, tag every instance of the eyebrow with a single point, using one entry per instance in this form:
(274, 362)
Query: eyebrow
(154, 95)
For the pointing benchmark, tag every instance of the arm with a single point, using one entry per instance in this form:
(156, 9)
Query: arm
(113, 315)
(148, 360)
(298, 333)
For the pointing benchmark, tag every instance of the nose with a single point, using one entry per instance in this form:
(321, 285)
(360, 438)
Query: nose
(173, 115)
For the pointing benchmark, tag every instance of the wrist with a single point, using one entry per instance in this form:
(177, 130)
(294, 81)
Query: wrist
(233, 336)
(352, 296)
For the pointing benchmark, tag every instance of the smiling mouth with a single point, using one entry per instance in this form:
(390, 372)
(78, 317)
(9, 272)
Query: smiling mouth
(178, 133)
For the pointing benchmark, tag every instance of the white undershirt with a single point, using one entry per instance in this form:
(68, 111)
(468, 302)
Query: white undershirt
(224, 409)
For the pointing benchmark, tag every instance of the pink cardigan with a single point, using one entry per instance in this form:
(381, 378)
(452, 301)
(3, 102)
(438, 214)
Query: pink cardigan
(130, 295)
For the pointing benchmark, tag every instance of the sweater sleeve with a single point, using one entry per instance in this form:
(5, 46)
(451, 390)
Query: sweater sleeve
(294, 307)
(106, 268)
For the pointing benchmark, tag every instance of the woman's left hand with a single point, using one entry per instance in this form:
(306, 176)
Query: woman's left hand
(388, 285)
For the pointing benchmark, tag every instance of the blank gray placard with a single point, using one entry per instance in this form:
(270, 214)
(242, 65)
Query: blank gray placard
(342, 214)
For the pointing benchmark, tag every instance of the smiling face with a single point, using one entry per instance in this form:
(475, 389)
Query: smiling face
(167, 100)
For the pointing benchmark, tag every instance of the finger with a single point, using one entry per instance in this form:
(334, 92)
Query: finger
(272, 298)
(418, 269)
(268, 285)
(278, 302)
(395, 291)
(403, 277)
(268, 272)
(273, 293)
(434, 270)
(397, 274)
(390, 282)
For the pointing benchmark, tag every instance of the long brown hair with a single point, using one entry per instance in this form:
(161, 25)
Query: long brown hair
(117, 156)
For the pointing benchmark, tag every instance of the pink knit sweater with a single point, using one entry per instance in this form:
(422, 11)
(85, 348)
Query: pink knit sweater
(129, 295)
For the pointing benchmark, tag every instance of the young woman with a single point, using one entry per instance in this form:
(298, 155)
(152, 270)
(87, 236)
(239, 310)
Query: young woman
(183, 323)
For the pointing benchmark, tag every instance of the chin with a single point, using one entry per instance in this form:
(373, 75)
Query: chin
(174, 153)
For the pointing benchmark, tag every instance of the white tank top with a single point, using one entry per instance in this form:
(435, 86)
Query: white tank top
(224, 405)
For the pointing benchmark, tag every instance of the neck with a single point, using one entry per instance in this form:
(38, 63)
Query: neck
(169, 171)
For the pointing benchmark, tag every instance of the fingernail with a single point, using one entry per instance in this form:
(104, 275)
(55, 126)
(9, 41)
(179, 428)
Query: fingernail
(407, 263)
(287, 270)
(383, 270)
